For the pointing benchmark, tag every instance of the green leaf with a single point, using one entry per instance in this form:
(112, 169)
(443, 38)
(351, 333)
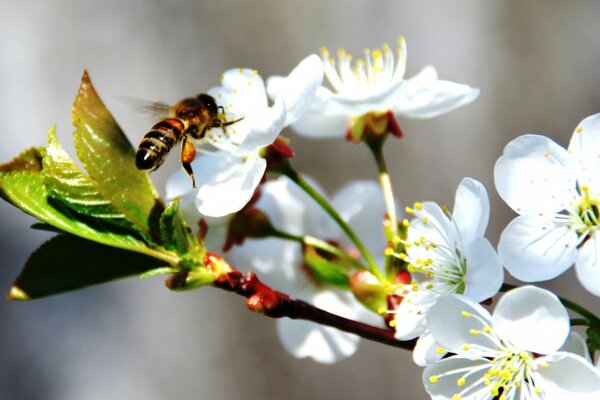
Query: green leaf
(325, 270)
(26, 190)
(109, 159)
(67, 263)
(67, 184)
(174, 232)
(593, 334)
(29, 160)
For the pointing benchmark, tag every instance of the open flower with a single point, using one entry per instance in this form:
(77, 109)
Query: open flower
(228, 177)
(514, 353)
(446, 253)
(375, 87)
(557, 194)
(280, 263)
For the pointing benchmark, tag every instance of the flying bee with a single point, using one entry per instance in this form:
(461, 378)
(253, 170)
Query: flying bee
(190, 119)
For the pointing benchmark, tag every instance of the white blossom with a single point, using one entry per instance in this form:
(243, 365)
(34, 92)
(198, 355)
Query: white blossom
(556, 191)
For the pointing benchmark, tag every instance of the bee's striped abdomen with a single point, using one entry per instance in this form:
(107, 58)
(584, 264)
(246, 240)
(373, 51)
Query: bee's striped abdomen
(158, 141)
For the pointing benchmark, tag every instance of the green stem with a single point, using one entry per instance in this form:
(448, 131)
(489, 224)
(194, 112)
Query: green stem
(319, 244)
(289, 171)
(386, 184)
(580, 322)
(591, 318)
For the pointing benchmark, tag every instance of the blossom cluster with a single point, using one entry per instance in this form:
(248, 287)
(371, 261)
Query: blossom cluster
(426, 275)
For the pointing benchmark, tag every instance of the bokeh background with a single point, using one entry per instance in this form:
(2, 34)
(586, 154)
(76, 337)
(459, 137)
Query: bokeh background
(536, 62)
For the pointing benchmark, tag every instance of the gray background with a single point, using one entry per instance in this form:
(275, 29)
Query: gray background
(537, 64)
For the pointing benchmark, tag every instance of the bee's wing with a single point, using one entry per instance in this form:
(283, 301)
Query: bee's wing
(148, 108)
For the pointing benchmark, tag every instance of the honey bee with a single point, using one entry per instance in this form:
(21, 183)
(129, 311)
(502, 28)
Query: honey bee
(188, 120)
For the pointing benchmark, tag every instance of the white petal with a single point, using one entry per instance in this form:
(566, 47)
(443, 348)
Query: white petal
(321, 124)
(533, 319)
(426, 97)
(180, 185)
(485, 274)
(248, 89)
(228, 184)
(535, 249)
(585, 148)
(263, 128)
(322, 344)
(471, 210)
(427, 351)
(534, 174)
(587, 264)
(569, 373)
(299, 88)
(445, 386)
(361, 204)
(277, 263)
(451, 319)
(576, 344)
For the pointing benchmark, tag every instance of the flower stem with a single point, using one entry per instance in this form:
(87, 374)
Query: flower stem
(591, 318)
(264, 300)
(289, 171)
(320, 244)
(376, 148)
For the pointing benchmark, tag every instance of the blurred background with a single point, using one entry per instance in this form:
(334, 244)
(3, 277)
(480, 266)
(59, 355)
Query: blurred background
(536, 62)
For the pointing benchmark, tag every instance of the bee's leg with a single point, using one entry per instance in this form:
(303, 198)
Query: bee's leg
(188, 153)
(219, 124)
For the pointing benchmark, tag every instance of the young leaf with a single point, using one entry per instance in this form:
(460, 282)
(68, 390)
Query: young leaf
(175, 234)
(66, 183)
(109, 159)
(67, 262)
(26, 190)
(325, 270)
(29, 160)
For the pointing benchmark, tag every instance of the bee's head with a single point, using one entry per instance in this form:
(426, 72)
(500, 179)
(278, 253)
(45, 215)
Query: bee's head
(209, 102)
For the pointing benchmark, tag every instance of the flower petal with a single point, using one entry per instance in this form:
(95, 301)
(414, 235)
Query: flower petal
(452, 319)
(533, 319)
(441, 378)
(424, 96)
(323, 344)
(587, 264)
(576, 344)
(249, 90)
(361, 204)
(427, 350)
(227, 183)
(299, 87)
(570, 373)
(322, 124)
(585, 148)
(536, 249)
(534, 174)
(264, 128)
(485, 274)
(471, 210)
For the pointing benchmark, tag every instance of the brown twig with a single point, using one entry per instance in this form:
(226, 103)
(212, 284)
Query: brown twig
(263, 299)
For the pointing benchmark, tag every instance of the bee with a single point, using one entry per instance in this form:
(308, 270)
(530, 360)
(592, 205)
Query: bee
(188, 120)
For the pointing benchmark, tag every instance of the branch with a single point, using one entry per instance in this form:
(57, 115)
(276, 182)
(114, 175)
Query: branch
(274, 304)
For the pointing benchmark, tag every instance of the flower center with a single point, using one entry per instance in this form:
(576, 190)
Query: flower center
(439, 259)
(504, 371)
(376, 73)
(585, 214)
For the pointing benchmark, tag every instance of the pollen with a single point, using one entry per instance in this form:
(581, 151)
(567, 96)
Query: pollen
(433, 379)
(409, 210)
(393, 323)
(579, 130)
(474, 332)
(396, 239)
(440, 351)
(425, 220)
(419, 206)
(254, 72)
(406, 223)
(241, 70)
(546, 154)
(389, 251)
(466, 314)
(382, 310)
(456, 397)
(460, 382)
(325, 51)
(466, 347)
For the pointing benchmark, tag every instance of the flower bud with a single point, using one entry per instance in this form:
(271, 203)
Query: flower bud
(250, 222)
(373, 125)
(368, 290)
